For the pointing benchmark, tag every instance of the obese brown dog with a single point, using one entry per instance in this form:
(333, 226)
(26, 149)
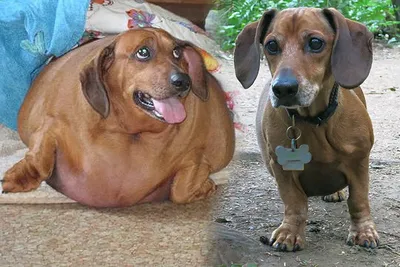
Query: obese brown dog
(317, 59)
(122, 120)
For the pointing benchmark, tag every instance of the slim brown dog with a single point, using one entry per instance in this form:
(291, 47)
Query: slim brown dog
(317, 59)
(122, 120)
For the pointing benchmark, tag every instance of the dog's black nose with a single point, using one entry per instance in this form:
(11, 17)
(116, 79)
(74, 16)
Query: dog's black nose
(285, 89)
(180, 81)
(285, 84)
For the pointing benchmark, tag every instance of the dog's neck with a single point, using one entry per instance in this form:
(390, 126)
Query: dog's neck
(322, 108)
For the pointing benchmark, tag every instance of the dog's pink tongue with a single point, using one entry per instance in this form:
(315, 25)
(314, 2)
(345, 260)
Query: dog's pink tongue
(171, 109)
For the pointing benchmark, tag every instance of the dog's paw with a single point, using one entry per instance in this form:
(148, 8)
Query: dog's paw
(338, 196)
(17, 179)
(363, 234)
(207, 189)
(287, 238)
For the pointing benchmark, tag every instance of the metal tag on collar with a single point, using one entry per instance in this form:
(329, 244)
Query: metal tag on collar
(320, 121)
(293, 158)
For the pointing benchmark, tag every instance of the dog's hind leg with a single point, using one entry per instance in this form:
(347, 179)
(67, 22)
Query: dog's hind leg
(338, 196)
(35, 167)
(192, 183)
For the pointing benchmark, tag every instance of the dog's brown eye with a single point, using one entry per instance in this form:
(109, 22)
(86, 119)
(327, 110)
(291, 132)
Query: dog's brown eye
(176, 53)
(272, 47)
(316, 45)
(143, 53)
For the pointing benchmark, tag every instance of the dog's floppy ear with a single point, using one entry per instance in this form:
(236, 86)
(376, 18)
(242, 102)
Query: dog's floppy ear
(197, 71)
(92, 81)
(351, 58)
(247, 49)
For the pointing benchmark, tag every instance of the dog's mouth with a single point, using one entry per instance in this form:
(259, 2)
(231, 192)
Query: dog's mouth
(169, 110)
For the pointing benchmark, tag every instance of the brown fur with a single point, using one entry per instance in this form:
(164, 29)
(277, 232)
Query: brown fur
(340, 148)
(103, 150)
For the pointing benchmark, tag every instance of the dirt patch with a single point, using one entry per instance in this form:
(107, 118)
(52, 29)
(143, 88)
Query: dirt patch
(250, 206)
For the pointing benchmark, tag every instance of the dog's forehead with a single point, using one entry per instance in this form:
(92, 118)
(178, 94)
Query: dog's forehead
(132, 38)
(296, 20)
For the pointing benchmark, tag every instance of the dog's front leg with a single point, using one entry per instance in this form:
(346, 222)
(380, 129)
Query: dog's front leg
(289, 236)
(362, 229)
(192, 183)
(35, 167)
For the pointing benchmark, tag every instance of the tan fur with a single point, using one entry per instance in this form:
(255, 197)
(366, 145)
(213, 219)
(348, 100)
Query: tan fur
(127, 157)
(340, 148)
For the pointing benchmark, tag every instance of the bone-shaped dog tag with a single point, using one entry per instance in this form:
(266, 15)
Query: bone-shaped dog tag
(293, 159)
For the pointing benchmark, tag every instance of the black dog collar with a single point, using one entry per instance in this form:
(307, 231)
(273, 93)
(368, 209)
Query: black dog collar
(323, 116)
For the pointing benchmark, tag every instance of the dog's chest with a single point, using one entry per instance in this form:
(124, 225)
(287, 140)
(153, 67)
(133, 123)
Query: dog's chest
(322, 175)
(320, 179)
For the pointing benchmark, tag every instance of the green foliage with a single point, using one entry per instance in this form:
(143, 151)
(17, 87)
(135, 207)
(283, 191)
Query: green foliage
(377, 15)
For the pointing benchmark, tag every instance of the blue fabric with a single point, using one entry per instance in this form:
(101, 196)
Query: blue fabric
(31, 32)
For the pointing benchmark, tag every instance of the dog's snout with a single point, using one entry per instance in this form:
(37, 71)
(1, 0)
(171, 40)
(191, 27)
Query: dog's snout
(180, 81)
(285, 89)
(285, 85)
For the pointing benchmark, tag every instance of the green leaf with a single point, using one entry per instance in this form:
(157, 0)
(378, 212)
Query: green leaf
(377, 15)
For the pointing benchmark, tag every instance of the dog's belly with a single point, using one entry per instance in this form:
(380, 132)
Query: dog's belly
(109, 189)
(161, 193)
(320, 179)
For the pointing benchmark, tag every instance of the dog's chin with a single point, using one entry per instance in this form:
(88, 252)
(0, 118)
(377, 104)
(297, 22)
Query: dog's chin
(293, 103)
(289, 104)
